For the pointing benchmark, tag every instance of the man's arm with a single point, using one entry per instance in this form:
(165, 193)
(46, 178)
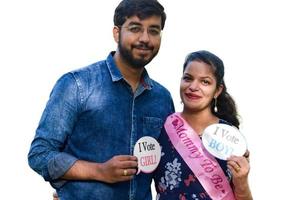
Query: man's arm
(111, 171)
(56, 124)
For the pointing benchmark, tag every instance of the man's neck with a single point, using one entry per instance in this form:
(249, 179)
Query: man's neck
(131, 75)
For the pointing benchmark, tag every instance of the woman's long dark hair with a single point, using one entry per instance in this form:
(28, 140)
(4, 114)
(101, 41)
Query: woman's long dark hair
(225, 103)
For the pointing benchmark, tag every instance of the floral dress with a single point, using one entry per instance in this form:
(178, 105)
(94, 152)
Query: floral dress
(174, 180)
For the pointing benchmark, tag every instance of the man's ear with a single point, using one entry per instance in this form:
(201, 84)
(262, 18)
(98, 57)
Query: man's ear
(219, 91)
(116, 33)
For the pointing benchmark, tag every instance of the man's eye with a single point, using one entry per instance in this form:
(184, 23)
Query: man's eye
(135, 29)
(154, 31)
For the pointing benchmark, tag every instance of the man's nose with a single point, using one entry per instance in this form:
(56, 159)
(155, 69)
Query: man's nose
(144, 37)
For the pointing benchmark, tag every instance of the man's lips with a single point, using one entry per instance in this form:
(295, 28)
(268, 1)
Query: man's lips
(143, 49)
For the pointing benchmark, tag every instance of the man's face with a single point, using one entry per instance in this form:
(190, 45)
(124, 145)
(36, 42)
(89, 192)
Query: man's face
(139, 40)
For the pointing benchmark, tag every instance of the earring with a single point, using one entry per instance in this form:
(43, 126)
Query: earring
(215, 107)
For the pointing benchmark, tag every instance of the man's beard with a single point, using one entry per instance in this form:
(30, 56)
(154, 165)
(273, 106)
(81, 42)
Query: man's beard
(127, 55)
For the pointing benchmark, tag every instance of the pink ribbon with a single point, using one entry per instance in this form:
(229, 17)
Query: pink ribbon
(204, 166)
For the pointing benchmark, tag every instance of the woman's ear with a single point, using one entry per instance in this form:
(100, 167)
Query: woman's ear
(219, 91)
(116, 33)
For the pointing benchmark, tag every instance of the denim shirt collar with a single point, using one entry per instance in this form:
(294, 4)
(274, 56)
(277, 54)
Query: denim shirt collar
(116, 75)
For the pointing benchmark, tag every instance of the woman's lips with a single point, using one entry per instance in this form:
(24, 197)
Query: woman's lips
(192, 96)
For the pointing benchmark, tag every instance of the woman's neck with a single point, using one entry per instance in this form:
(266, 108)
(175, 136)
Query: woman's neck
(199, 120)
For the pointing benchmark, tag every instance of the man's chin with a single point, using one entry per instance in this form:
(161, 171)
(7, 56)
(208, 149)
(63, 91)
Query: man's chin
(140, 63)
(143, 59)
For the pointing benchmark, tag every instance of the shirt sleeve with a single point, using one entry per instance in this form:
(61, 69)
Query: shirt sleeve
(46, 154)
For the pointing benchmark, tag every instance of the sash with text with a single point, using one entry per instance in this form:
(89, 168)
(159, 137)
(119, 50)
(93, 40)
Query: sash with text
(205, 167)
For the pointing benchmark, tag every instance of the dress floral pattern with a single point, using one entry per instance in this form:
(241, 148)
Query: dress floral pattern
(173, 178)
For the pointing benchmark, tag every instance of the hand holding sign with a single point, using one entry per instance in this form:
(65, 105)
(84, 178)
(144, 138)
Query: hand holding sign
(148, 152)
(222, 141)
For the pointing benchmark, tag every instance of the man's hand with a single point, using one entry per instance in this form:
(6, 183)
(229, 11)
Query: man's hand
(119, 168)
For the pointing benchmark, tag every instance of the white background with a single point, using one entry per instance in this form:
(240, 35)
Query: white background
(259, 42)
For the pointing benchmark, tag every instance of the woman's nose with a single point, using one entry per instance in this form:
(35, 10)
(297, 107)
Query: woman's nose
(194, 86)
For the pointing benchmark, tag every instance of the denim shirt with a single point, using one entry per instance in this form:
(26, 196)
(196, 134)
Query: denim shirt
(92, 114)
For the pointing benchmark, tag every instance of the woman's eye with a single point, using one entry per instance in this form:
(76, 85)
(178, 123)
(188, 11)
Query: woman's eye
(205, 82)
(186, 78)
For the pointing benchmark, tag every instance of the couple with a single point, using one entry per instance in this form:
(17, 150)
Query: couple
(84, 142)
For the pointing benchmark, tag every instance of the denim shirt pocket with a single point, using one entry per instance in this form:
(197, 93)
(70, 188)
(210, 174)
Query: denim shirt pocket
(152, 126)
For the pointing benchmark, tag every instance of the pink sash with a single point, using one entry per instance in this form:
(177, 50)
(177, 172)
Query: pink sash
(205, 167)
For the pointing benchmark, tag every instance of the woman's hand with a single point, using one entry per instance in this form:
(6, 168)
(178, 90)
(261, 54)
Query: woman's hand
(240, 167)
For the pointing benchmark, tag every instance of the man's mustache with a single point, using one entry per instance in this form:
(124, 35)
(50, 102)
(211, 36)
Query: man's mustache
(143, 46)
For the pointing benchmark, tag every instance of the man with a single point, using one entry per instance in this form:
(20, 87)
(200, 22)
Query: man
(84, 142)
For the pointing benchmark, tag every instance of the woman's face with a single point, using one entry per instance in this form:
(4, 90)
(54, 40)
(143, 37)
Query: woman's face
(198, 86)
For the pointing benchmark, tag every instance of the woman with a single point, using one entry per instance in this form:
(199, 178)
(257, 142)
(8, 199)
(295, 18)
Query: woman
(205, 102)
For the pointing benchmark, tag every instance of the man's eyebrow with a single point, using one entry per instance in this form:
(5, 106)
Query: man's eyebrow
(155, 26)
(134, 23)
(139, 24)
